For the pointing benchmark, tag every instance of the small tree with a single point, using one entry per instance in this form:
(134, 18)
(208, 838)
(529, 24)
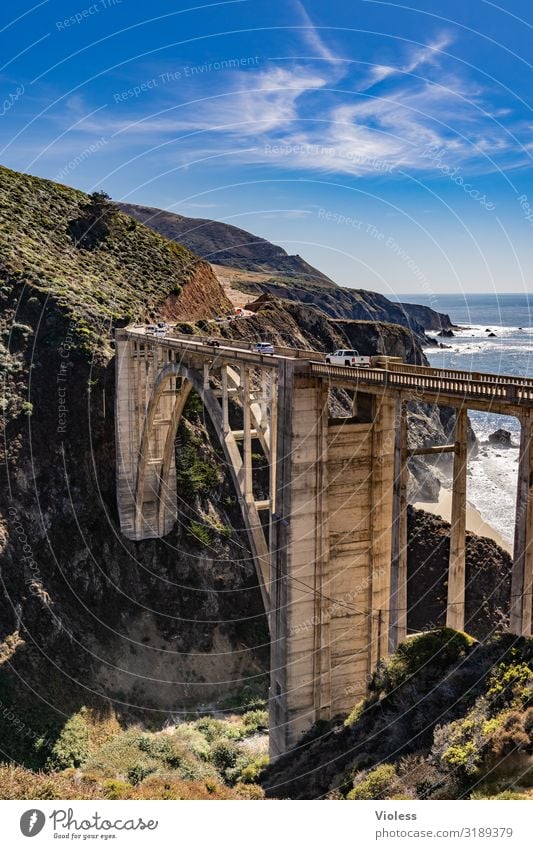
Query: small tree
(96, 222)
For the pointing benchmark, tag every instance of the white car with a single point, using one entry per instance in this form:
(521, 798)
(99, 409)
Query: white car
(347, 357)
(263, 348)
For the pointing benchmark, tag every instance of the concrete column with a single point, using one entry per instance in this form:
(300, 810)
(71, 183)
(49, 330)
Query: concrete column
(224, 400)
(382, 471)
(349, 582)
(455, 614)
(247, 437)
(398, 603)
(521, 583)
(299, 559)
(273, 435)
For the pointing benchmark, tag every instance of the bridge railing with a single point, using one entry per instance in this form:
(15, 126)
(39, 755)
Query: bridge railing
(462, 387)
(479, 376)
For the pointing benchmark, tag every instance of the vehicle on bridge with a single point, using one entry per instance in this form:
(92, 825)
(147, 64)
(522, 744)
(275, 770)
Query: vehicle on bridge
(215, 343)
(345, 357)
(263, 348)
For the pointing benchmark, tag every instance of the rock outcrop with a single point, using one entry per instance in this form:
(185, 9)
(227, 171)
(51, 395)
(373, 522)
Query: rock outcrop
(488, 577)
(501, 438)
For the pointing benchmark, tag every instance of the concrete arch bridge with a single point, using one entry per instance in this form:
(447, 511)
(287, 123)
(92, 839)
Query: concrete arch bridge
(330, 541)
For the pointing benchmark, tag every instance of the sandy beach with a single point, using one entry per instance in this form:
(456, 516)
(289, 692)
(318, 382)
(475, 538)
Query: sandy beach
(474, 521)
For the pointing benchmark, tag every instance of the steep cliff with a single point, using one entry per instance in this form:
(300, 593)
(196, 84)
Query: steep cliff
(301, 325)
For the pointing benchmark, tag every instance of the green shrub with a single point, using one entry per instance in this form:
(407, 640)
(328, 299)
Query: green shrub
(356, 714)
(253, 770)
(510, 685)
(433, 653)
(217, 729)
(71, 747)
(163, 748)
(381, 783)
(139, 772)
(224, 754)
(255, 720)
(193, 740)
(198, 533)
(116, 788)
(195, 476)
(458, 747)
(505, 795)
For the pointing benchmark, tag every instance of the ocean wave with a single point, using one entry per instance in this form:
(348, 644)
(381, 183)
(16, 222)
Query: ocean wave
(491, 487)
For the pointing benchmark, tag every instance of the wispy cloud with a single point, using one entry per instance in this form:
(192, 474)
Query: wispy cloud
(326, 114)
(417, 57)
(311, 37)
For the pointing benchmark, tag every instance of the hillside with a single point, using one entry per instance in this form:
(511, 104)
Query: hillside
(446, 718)
(226, 244)
(86, 617)
(291, 277)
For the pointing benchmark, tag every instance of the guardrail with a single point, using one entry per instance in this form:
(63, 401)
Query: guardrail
(478, 376)
(434, 383)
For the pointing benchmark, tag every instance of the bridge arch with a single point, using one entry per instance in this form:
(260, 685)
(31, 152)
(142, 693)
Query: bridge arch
(155, 493)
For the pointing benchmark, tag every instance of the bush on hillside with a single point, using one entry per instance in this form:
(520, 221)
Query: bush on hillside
(71, 748)
(433, 653)
(380, 783)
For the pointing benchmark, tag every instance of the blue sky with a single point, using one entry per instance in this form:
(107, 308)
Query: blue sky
(390, 146)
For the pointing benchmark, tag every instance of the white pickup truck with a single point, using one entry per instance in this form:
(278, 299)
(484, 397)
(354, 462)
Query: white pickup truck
(346, 357)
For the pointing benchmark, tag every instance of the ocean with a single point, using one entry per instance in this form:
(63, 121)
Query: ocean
(492, 474)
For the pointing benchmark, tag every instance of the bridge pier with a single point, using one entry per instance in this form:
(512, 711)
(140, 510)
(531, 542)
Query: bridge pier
(455, 610)
(398, 601)
(521, 583)
(331, 548)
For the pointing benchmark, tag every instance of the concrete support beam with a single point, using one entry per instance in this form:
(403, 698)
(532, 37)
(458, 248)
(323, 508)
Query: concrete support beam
(225, 412)
(455, 613)
(247, 434)
(299, 557)
(383, 442)
(428, 450)
(398, 603)
(521, 583)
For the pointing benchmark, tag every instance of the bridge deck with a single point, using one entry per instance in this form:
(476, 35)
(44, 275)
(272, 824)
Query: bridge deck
(505, 394)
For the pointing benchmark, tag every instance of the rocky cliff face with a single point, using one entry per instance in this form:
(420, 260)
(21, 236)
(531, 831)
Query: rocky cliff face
(428, 318)
(488, 577)
(201, 297)
(300, 325)
(357, 304)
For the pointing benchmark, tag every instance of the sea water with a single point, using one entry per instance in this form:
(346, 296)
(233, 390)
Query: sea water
(492, 475)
